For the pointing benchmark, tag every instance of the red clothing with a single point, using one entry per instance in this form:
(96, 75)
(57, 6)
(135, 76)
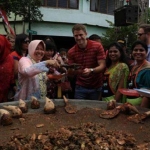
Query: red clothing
(6, 68)
(88, 58)
(15, 55)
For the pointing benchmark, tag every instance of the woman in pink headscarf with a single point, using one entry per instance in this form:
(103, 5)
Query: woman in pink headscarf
(6, 69)
(32, 73)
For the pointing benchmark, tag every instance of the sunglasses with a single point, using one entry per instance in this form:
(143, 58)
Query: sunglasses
(140, 34)
(26, 41)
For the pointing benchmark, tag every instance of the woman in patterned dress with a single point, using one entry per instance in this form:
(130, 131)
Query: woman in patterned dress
(116, 73)
(32, 73)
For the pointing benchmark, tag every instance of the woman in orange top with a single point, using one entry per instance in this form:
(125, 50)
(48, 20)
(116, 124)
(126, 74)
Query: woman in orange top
(21, 48)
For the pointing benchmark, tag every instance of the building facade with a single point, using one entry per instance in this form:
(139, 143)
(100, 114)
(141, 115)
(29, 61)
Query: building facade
(59, 16)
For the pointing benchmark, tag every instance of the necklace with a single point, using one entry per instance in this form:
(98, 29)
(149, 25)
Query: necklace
(136, 69)
(42, 81)
(134, 73)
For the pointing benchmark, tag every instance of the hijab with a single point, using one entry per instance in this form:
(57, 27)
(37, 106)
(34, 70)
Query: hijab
(32, 47)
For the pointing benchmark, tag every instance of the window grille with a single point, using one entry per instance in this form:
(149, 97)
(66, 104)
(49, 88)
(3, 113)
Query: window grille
(70, 4)
(105, 6)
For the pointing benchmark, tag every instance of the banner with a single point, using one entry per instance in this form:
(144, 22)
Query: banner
(4, 17)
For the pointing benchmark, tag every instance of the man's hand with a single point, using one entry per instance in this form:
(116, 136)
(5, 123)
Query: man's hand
(86, 71)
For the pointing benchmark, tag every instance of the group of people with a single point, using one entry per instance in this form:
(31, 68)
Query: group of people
(24, 67)
(100, 76)
(104, 73)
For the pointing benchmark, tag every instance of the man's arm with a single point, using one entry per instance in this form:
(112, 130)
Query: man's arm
(101, 66)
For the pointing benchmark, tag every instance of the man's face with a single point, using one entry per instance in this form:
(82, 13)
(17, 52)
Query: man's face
(141, 35)
(80, 38)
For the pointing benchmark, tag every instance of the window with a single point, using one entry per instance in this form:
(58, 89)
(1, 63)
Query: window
(72, 4)
(62, 4)
(119, 3)
(51, 3)
(105, 6)
(111, 7)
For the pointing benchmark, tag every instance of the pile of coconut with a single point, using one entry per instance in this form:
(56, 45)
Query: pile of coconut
(10, 111)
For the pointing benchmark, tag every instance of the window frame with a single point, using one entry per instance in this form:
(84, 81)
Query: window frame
(57, 3)
(116, 4)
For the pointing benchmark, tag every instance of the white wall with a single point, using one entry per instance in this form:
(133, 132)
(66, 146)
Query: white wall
(59, 22)
(56, 29)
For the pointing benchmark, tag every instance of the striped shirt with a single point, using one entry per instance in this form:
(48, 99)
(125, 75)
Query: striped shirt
(88, 58)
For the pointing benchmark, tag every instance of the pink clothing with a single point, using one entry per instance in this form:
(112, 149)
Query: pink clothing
(32, 48)
(28, 81)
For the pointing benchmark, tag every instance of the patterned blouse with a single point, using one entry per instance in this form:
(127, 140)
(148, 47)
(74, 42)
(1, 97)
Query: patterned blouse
(31, 79)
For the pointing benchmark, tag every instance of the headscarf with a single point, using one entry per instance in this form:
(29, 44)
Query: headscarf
(4, 48)
(32, 47)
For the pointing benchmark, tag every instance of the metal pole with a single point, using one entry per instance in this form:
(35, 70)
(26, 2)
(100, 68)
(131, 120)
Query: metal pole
(29, 26)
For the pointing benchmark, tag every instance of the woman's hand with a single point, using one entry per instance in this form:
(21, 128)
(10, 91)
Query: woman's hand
(60, 60)
(53, 63)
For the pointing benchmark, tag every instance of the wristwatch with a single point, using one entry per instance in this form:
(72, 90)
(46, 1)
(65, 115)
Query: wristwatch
(92, 70)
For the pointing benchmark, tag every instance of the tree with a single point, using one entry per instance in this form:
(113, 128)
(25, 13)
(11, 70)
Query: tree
(148, 20)
(113, 33)
(27, 9)
(124, 32)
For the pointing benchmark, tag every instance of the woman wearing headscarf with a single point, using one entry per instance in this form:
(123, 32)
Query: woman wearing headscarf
(6, 69)
(32, 73)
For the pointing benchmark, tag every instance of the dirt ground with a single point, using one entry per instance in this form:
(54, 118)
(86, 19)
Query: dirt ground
(39, 123)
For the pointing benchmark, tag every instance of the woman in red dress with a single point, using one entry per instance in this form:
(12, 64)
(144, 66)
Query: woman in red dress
(6, 69)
